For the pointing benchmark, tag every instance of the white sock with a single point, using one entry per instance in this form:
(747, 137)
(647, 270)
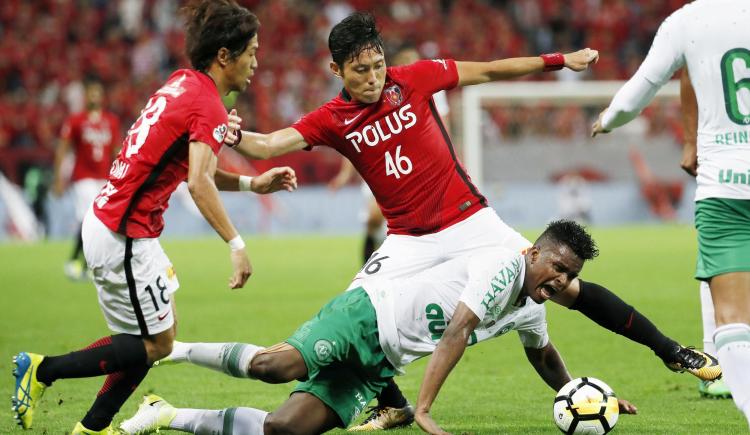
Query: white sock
(243, 421)
(230, 358)
(709, 321)
(733, 344)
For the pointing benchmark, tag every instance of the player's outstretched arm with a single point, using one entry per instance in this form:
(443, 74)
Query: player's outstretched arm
(474, 73)
(201, 170)
(448, 352)
(549, 365)
(346, 172)
(260, 146)
(273, 180)
(58, 183)
(689, 103)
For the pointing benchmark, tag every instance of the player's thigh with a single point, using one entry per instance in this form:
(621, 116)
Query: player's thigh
(731, 296)
(400, 256)
(483, 230)
(134, 280)
(84, 192)
(301, 413)
(277, 364)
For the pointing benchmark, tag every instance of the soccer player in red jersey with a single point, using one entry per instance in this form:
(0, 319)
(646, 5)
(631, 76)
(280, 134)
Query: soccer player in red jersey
(385, 122)
(93, 137)
(177, 138)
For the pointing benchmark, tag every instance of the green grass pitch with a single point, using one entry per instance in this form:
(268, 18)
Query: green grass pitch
(493, 389)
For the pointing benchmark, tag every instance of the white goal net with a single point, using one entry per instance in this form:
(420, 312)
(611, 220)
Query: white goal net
(528, 131)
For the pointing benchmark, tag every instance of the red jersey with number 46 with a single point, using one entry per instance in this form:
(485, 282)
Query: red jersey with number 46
(154, 155)
(93, 136)
(401, 148)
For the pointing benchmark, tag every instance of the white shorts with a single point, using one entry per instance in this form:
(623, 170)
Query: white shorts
(84, 192)
(134, 279)
(404, 256)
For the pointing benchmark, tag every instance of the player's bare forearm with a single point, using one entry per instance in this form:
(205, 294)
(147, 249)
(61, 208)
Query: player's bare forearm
(226, 181)
(201, 170)
(474, 73)
(689, 103)
(447, 353)
(549, 365)
(261, 146)
(63, 147)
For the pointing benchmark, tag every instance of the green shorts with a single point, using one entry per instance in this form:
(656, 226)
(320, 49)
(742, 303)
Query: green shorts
(723, 236)
(346, 368)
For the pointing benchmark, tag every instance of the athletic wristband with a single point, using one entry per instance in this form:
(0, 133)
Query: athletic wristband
(238, 140)
(245, 183)
(553, 61)
(237, 243)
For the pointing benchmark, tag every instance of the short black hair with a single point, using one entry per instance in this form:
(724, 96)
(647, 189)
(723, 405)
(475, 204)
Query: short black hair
(213, 24)
(353, 35)
(92, 80)
(571, 234)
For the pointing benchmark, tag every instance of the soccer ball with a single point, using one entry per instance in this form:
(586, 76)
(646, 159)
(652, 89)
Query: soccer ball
(586, 406)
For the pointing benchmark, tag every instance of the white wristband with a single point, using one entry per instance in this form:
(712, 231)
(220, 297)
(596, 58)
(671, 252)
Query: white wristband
(245, 183)
(237, 243)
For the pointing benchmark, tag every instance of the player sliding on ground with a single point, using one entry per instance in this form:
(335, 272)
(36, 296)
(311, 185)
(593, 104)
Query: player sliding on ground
(386, 123)
(177, 138)
(347, 353)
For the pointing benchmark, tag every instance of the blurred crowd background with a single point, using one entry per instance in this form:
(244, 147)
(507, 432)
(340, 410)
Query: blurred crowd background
(48, 47)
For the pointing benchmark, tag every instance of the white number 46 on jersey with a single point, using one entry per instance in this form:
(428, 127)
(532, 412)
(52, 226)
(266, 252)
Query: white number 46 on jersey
(397, 165)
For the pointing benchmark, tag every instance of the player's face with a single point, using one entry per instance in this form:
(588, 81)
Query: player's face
(94, 96)
(406, 57)
(243, 67)
(549, 270)
(364, 76)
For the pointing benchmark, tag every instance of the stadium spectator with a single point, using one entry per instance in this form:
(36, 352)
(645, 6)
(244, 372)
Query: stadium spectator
(176, 139)
(710, 38)
(47, 46)
(93, 136)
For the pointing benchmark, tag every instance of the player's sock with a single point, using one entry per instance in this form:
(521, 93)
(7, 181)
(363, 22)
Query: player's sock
(115, 391)
(608, 310)
(222, 422)
(709, 321)
(369, 247)
(391, 396)
(78, 247)
(230, 358)
(105, 356)
(733, 345)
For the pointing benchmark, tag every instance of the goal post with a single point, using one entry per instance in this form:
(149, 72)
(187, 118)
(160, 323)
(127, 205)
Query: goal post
(510, 94)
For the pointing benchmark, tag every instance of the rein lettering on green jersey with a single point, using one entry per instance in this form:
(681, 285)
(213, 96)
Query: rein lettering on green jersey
(437, 324)
(732, 86)
(501, 280)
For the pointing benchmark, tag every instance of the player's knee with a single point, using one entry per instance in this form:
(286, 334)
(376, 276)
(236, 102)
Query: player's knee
(730, 313)
(159, 346)
(280, 424)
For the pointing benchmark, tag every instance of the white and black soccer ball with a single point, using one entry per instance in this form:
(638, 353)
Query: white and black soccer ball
(586, 406)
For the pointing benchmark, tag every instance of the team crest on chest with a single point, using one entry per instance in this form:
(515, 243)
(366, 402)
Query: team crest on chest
(393, 95)
(220, 132)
